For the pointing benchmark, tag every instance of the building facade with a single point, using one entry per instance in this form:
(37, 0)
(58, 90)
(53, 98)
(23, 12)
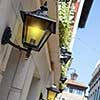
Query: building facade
(72, 15)
(94, 92)
(21, 78)
(74, 90)
(82, 8)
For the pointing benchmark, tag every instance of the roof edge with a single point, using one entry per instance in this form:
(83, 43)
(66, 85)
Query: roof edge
(85, 12)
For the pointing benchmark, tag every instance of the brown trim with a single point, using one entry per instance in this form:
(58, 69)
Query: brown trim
(77, 87)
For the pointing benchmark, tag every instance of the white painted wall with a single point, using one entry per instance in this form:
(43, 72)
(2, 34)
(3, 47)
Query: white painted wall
(76, 24)
(9, 74)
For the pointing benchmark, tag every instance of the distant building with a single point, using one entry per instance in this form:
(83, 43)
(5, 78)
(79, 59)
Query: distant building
(94, 92)
(74, 90)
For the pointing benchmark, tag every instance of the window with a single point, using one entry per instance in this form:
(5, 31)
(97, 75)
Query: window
(74, 91)
(66, 89)
(80, 92)
(63, 98)
(95, 95)
(71, 90)
(98, 96)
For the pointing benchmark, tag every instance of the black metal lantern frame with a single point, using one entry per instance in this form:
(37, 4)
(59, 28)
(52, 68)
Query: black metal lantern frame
(73, 74)
(51, 28)
(53, 89)
(41, 15)
(63, 79)
(64, 55)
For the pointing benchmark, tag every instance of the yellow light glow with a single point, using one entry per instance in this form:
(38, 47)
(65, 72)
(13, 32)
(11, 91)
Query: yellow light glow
(51, 95)
(34, 34)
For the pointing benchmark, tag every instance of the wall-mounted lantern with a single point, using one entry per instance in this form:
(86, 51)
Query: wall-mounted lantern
(37, 27)
(73, 74)
(52, 92)
(64, 55)
(63, 79)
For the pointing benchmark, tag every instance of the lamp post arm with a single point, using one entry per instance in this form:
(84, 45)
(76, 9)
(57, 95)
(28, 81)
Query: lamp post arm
(28, 51)
(17, 46)
(6, 39)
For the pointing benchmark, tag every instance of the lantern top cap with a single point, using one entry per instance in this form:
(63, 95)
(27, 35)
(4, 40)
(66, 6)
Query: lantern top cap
(64, 50)
(53, 88)
(42, 16)
(39, 13)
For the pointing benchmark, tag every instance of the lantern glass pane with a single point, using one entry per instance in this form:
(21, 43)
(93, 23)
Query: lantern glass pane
(35, 30)
(51, 95)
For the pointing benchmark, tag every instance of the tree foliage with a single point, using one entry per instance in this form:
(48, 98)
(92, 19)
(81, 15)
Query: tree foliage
(64, 25)
(65, 34)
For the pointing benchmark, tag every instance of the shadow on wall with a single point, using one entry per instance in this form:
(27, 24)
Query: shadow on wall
(35, 89)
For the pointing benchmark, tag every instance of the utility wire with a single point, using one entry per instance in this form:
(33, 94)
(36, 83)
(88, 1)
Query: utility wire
(92, 49)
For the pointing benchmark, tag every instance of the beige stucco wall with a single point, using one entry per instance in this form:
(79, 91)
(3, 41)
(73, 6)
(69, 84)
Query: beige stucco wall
(54, 45)
(17, 74)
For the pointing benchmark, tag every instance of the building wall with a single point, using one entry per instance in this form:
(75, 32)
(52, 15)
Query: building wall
(8, 75)
(11, 17)
(70, 96)
(94, 92)
(54, 45)
(77, 18)
(19, 76)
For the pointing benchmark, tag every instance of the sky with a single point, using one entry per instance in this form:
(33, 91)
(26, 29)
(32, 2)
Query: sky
(86, 50)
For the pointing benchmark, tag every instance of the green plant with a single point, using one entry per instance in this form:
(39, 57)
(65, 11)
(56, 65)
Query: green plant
(65, 35)
(64, 25)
